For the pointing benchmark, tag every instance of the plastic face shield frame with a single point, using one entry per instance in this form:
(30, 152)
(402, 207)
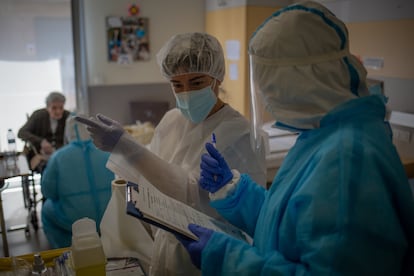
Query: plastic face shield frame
(257, 111)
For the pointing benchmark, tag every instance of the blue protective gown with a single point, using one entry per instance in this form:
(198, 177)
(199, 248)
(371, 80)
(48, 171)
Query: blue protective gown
(339, 205)
(76, 184)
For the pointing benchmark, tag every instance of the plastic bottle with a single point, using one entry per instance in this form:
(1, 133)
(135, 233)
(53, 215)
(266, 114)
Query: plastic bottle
(11, 141)
(87, 253)
(11, 162)
(39, 267)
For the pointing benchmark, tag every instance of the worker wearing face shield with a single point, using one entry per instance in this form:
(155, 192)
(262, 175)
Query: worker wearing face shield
(340, 204)
(193, 63)
(76, 184)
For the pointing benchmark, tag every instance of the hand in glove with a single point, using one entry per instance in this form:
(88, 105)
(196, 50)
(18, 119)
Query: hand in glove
(215, 173)
(104, 131)
(46, 147)
(195, 248)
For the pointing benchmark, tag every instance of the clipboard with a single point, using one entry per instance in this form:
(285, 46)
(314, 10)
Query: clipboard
(180, 214)
(135, 212)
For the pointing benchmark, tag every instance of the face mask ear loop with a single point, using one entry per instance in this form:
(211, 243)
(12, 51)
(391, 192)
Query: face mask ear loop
(172, 88)
(213, 84)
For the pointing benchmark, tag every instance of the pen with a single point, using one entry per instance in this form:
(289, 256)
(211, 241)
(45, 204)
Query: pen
(213, 139)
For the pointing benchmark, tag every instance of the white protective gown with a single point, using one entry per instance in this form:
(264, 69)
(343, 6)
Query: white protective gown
(181, 143)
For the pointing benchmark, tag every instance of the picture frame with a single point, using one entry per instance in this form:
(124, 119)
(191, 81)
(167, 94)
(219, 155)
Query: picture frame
(127, 39)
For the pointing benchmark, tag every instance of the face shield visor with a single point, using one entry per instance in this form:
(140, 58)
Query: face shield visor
(272, 105)
(260, 118)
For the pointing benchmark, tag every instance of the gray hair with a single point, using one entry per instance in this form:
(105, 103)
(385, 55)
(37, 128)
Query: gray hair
(55, 97)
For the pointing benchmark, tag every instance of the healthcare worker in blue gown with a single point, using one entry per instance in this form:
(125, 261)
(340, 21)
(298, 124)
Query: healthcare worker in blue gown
(340, 204)
(76, 184)
(194, 65)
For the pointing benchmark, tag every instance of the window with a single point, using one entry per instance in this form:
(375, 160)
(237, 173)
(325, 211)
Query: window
(36, 57)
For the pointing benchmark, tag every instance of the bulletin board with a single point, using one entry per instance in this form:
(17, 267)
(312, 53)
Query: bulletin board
(127, 39)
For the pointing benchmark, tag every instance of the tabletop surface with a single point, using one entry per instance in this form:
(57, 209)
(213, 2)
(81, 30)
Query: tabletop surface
(12, 166)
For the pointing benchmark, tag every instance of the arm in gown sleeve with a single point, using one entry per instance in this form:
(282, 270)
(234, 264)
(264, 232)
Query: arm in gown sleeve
(315, 230)
(165, 176)
(242, 206)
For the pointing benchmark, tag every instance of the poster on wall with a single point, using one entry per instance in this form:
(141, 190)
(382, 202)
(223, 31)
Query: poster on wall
(128, 39)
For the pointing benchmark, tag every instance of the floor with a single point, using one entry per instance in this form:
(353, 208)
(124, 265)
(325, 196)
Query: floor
(15, 214)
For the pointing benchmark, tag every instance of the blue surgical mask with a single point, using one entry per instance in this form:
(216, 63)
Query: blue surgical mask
(196, 104)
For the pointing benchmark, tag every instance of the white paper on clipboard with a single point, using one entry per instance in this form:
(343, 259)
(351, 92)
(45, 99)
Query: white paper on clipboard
(156, 208)
(149, 204)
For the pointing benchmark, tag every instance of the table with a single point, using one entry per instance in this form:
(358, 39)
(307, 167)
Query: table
(11, 165)
(114, 267)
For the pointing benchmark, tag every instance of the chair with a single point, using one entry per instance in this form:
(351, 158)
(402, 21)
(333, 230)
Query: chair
(36, 163)
(30, 202)
(29, 191)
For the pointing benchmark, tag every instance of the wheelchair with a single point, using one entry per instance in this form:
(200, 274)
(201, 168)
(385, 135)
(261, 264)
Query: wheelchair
(30, 195)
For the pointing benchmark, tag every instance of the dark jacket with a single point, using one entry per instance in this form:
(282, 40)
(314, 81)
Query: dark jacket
(38, 128)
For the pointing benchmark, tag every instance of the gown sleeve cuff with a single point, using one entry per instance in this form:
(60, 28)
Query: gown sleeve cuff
(227, 189)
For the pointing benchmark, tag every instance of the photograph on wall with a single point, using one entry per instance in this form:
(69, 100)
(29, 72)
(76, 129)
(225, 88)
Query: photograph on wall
(128, 39)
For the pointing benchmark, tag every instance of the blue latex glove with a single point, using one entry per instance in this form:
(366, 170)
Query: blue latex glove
(195, 248)
(215, 173)
(104, 131)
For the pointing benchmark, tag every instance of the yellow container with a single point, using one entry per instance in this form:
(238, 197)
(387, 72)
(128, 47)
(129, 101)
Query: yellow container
(6, 263)
(88, 257)
(91, 270)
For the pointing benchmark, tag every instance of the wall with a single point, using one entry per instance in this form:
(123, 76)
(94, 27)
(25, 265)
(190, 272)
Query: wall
(392, 41)
(377, 28)
(166, 18)
(240, 19)
(383, 29)
(235, 21)
(112, 86)
(114, 100)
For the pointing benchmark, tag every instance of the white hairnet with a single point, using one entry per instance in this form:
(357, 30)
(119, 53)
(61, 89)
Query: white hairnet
(192, 53)
(301, 65)
(75, 131)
